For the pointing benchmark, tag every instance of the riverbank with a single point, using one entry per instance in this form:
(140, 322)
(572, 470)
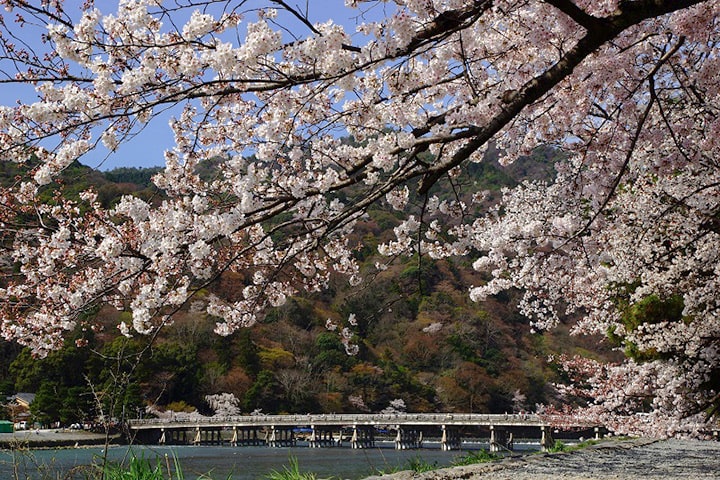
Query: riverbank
(614, 459)
(636, 459)
(53, 438)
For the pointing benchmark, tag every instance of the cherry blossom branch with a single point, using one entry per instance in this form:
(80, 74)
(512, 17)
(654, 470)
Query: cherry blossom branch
(631, 149)
(602, 31)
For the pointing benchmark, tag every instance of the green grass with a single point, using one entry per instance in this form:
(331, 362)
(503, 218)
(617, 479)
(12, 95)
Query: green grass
(142, 469)
(419, 465)
(559, 446)
(471, 458)
(137, 469)
(26, 467)
(291, 472)
(416, 464)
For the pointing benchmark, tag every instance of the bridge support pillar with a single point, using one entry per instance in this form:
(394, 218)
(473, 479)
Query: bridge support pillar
(281, 437)
(408, 438)
(500, 439)
(363, 437)
(245, 436)
(321, 437)
(216, 437)
(207, 436)
(450, 439)
(546, 440)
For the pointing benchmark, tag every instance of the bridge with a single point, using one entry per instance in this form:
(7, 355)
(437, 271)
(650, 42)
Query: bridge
(406, 430)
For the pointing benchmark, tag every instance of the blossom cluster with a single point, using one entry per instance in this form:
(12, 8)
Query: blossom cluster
(308, 132)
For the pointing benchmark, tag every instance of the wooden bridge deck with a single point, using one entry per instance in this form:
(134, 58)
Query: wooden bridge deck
(356, 430)
(349, 420)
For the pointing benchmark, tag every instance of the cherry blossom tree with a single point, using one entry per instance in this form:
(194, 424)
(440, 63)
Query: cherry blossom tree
(309, 123)
(396, 406)
(224, 404)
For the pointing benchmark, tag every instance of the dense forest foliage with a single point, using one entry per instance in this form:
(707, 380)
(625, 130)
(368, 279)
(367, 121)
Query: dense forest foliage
(421, 339)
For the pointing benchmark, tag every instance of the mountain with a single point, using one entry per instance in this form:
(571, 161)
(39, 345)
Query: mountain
(421, 338)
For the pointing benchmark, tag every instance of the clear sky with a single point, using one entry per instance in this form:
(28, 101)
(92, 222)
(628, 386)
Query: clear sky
(147, 148)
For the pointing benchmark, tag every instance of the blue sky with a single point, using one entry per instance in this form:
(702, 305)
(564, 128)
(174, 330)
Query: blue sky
(146, 149)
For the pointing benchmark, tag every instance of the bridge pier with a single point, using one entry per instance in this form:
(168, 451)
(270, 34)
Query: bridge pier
(208, 436)
(321, 437)
(281, 437)
(450, 439)
(173, 436)
(408, 438)
(363, 437)
(147, 437)
(500, 439)
(246, 436)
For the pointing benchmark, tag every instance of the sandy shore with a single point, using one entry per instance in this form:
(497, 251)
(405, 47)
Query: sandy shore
(51, 438)
(613, 459)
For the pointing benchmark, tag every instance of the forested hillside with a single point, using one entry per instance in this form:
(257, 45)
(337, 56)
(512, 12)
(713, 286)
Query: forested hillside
(420, 337)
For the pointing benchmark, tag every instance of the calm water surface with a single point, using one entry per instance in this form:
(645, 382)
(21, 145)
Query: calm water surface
(237, 463)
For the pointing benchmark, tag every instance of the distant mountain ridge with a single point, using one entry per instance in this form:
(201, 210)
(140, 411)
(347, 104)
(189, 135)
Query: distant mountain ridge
(422, 340)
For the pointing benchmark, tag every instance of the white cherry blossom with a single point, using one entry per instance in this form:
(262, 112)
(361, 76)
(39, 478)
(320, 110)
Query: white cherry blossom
(309, 131)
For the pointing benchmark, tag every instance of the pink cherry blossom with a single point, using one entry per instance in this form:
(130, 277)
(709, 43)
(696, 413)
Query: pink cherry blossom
(314, 122)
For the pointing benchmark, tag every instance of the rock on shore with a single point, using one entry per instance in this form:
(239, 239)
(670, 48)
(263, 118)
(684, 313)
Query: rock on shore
(612, 459)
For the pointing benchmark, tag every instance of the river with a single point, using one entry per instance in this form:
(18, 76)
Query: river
(236, 463)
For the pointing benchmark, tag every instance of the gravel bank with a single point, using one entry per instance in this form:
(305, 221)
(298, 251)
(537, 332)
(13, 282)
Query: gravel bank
(51, 439)
(613, 459)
